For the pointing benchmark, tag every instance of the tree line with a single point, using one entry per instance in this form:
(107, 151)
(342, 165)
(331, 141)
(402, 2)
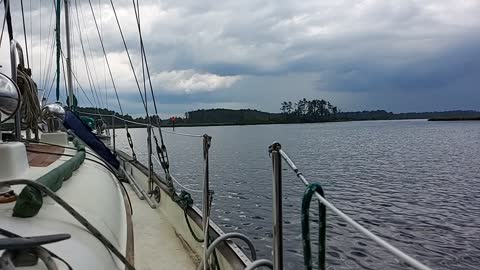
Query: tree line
(309, 110)
(303, 111)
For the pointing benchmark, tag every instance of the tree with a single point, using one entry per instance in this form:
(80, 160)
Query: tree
(334, 111)
(323, 103)
(289, 107)
(284, 107)
(309, 110)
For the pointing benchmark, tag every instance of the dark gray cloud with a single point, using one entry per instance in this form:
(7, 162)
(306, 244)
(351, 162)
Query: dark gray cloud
(363, 54)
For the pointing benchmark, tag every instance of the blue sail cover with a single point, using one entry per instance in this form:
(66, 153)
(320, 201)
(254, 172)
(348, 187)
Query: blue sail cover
(74, 123)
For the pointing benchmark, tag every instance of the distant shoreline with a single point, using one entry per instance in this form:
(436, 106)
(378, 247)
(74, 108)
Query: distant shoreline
(257, 124)
(455, 119)
(244, 117)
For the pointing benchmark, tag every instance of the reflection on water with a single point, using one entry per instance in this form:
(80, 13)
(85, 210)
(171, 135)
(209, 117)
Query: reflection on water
(414, 183)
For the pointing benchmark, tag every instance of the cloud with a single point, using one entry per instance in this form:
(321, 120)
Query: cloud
(189, 81)
(355, 52)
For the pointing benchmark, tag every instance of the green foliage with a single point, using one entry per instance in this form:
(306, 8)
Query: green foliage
(303, 111)
(317, 110)
(227, 116)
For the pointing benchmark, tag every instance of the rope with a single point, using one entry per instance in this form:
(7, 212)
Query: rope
(176, 181)
(183, 134)
(10, 234)
(307, 252)
(395, 251)
(30, 105)
(95, 232)
(185, 200)
(198, 239)
(184, 187)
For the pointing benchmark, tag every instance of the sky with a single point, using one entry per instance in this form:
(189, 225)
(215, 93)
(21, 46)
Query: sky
(396, 55)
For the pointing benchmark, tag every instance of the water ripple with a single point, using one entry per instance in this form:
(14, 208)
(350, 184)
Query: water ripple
(414, 183)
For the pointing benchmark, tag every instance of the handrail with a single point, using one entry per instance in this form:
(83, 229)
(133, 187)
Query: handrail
(144, 124)
(182, 134)
(176, 181)
(16, 51)
(131, 181)
(395, 251)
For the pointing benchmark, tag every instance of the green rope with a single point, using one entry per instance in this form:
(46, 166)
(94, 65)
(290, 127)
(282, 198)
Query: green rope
(198, 239)
(307, 251)
(185, 200)
(30, 199)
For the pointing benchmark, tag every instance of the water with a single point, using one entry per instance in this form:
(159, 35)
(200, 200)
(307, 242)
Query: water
(414, 183)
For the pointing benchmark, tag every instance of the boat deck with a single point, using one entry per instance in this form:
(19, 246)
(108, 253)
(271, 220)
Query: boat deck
(157, 245)
(40, 155)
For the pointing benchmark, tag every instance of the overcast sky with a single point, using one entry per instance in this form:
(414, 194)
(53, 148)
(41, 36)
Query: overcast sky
(395, 55)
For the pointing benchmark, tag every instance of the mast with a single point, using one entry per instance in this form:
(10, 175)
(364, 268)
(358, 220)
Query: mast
(69, 64)
(59, 47)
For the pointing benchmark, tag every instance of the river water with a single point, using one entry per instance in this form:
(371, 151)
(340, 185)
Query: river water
(415, 183)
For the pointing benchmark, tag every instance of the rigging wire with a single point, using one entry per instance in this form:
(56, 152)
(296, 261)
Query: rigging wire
(8, 19)
(25, 34)
(49, 55)
(91, 81)
(64, 78)
(129, 137)
(31, 29)
(50, 89)
(104, 72)
(129, 58)
(106, 60)
(58, 47)
(40, 43)
(4, 21)
(161, 151)
(81, 88)
(90, 55)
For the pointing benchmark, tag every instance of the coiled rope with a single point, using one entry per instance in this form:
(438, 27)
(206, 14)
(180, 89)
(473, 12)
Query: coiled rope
(30, 105)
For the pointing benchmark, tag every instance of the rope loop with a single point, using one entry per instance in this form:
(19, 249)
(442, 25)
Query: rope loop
(307, 251)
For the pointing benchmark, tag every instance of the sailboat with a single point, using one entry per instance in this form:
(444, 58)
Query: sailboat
(69, 201)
